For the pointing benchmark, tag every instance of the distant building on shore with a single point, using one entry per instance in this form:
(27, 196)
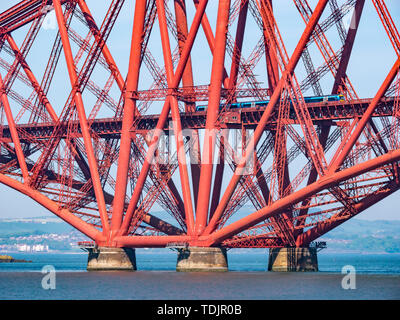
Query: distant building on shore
(32, 248)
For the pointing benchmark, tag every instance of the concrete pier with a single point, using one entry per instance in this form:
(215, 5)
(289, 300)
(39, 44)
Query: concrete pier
(202, 259)
(293, 259)
(111, 259)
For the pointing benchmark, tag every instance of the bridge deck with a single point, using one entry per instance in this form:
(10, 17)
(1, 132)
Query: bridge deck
(109, 127)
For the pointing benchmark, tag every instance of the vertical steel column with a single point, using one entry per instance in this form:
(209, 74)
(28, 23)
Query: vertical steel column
(348, 46)
(211, 41)
(132, 81)
(177, 126)
(98, 190)
(219, 171)
(162, 118)
(261, 181)
(187, 82)
(182, 28)
(117, 76)
(236, 57)
(207, 158)
(237, 50)
(273, 78)
(271, 60)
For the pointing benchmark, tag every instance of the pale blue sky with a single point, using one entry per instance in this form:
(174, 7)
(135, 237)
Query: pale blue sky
(371, 60)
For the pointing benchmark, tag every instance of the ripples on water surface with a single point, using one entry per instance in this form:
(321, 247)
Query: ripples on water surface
(378, 277)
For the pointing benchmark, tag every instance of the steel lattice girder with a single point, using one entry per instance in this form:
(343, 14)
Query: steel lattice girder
(103, 175)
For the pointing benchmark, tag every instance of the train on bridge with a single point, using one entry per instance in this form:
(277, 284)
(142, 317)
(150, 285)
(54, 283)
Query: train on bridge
(264, 103)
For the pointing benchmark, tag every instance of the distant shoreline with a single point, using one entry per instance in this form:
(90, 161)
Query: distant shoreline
(57, 237)
(6, 259)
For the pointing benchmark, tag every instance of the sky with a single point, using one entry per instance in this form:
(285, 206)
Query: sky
(371, 59)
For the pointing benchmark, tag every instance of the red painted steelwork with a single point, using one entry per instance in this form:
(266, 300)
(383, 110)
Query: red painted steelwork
(136, 163)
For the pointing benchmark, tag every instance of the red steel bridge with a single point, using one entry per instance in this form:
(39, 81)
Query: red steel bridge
(121, 152)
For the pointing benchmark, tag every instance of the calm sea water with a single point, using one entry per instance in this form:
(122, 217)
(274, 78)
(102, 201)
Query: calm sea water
(377, 277)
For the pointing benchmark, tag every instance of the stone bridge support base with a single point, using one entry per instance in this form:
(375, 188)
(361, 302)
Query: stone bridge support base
(293, 259)
(111, 259)
(202, 259)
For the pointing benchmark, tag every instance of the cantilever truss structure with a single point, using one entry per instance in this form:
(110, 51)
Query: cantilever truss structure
(105, 151)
